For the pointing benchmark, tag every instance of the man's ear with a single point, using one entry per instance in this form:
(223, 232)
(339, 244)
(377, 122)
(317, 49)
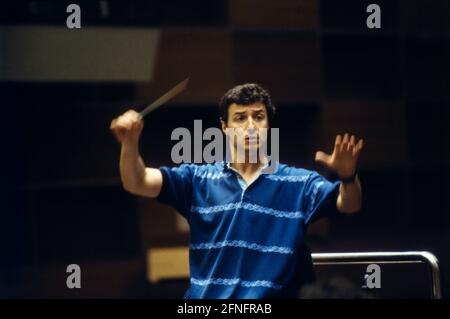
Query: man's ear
(223, 125)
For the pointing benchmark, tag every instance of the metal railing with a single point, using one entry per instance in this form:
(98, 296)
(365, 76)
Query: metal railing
(385, 257)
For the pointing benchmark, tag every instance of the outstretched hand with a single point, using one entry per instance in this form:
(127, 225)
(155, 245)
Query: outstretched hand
(344, 158)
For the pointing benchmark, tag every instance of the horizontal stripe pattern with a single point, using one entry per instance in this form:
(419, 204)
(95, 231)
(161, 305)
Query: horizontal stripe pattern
(234, 282)
(314, 193)
(287, 178)
(210, 175)
(243, 244)
(247, 206)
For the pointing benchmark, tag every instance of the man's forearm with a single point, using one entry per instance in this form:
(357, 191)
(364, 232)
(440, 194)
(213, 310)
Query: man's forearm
(350, 197)
(132, 168)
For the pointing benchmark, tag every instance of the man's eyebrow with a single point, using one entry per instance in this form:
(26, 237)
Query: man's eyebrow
(243, 112)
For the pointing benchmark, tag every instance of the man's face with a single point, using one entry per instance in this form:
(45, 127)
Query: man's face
(247, 120)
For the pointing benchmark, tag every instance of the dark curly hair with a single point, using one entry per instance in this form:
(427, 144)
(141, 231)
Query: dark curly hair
(246, 94)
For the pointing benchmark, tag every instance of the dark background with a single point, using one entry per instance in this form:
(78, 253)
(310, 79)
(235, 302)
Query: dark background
(61, 197)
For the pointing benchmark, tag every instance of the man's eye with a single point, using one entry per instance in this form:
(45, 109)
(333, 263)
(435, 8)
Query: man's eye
(239, 118)
(260, 117)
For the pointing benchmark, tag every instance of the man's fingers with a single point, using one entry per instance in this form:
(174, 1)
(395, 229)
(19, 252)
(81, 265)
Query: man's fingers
(137, 125)
(118, 135)
(352, 140)
(338, 140)
(132, 114)
(346, 138)
(355, 151)
(338, 143)
(347, 143)
(113, 124)
(117, 127)
(344, 143)
(349, 147)
(127, 125)
(120, 129)
(359, 146)
(322, 157)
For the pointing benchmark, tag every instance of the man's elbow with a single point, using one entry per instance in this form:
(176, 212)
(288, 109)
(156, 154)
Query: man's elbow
(349, 205)
(132, 188)
(140, 189)
(349, 209)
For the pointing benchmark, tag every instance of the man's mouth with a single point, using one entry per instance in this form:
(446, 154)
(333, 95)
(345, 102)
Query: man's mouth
(251, 140)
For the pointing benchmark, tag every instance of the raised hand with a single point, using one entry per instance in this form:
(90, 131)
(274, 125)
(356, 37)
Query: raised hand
(344, 158)
(127, 127)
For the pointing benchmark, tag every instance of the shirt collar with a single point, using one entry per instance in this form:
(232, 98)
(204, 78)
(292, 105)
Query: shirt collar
(227, 165)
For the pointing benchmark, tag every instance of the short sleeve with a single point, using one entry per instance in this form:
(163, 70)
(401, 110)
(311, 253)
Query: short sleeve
(320, 196)
(176, 188)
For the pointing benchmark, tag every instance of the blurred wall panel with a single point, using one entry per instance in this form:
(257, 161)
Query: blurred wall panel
(380, 123)
(427, 68)
(424, 17)
(41, 53)
(205, 56)
(350, 15)
(158, 225)
(358, 66)
(272, 13)
(117, 279)
(287, 64)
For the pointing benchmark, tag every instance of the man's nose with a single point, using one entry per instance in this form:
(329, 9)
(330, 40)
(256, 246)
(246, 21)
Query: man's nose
(251, 129)
(250, 124)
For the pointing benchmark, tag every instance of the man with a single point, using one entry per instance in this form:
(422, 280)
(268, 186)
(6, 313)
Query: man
(247, 226)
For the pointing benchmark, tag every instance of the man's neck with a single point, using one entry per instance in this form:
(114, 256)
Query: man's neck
(246, 168)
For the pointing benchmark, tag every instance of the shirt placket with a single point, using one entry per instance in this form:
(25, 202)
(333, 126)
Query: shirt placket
(242, 183)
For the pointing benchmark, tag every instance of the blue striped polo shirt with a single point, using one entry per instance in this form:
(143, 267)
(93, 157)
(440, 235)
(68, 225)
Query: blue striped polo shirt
(247, 241)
